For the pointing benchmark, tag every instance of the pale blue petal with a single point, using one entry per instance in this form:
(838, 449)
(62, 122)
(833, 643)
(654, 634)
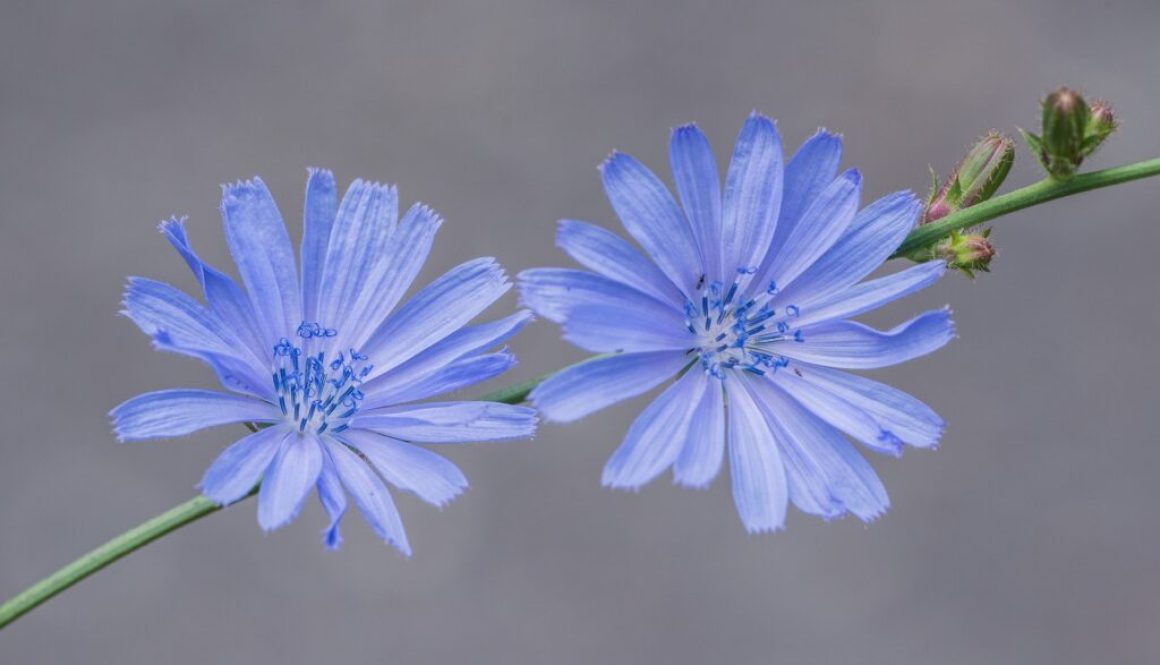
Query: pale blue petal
(587, 387)
(850, 345)
(454, 376)
(752, 200)
(456, 346)
(704, 447)
(157, 307)
(318, 214)
(169, 413)
(908, 418)
(875, 233)
(610, 329)
(224, 297)
(870, 295)
(654, 440)
(760, 490)
(820, 226)
(837, 411)
(357, 252)
(811, 169)
(289, 479)
(808, 173)
(449, 422)
(436, 311)
(431, 477)
(606, 253)
(237, 470)
(553, 292)
(828, 477)
(651, 216)
(390, 278)
(333, 499)
(370, 495)
(261, 249)
(179, 324)
(699, 186)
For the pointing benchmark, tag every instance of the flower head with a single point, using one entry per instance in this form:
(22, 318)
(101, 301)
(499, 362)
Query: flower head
(323, 362)
(745, 299)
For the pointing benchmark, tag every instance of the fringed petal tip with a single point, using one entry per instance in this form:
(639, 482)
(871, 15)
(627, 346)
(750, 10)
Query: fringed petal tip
(174, 226)
(612, 160)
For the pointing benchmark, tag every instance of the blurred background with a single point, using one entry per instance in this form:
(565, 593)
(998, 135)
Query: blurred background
(1030, 536)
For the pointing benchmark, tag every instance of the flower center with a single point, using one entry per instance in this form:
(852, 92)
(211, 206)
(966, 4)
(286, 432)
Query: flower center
(742, 335)
(317, 388)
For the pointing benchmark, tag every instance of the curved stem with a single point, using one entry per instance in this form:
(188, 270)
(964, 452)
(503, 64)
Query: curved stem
(200, 506)
(170, 520)
(1040, 192)
(138, 536)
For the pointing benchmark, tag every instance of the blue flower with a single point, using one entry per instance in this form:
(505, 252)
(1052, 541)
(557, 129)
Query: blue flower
(745, 297)
(324, 361)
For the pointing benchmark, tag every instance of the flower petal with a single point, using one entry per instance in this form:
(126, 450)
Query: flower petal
(753, 189)
(651, 216)
(850, 345)
(436, 311)
(431, 477)
(871, 295)
(587, 387)
(654, 440)
(553, 292)
(699, 187)
(235, 472)
(456, 346)
(333, 499)
(450, 422)
(895, 411)
(760, 490)
(363, 225)
(606, 253)
(704, 447)
(318, 213)
(391, 276)
(261, 249)
(169, 413)
(820, 226)
(179, 324)
(613, 329)
(224, 297)
(454, 376)
(288, 480)
(838, 412)
(370, 495)
(827, 476)
(811, 169)
(875, 233)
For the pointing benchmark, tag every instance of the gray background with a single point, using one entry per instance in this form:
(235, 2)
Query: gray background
(1029, 537)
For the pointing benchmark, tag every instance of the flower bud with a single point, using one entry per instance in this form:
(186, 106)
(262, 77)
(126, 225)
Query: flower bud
(975, 178)
(968, 252)
(1101, 124)
(1072, 130)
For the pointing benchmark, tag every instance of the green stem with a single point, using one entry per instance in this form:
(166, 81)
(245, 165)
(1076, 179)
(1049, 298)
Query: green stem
(1040, 192)
(171, 520)
(138, 536)
(200, 506)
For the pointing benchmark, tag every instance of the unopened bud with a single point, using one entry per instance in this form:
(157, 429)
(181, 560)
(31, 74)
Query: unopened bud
(1072, 130)
(1101, 124)
(968, 252)
(976, 178)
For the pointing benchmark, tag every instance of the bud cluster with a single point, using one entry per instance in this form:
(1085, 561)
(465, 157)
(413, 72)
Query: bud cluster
(1070, 131)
